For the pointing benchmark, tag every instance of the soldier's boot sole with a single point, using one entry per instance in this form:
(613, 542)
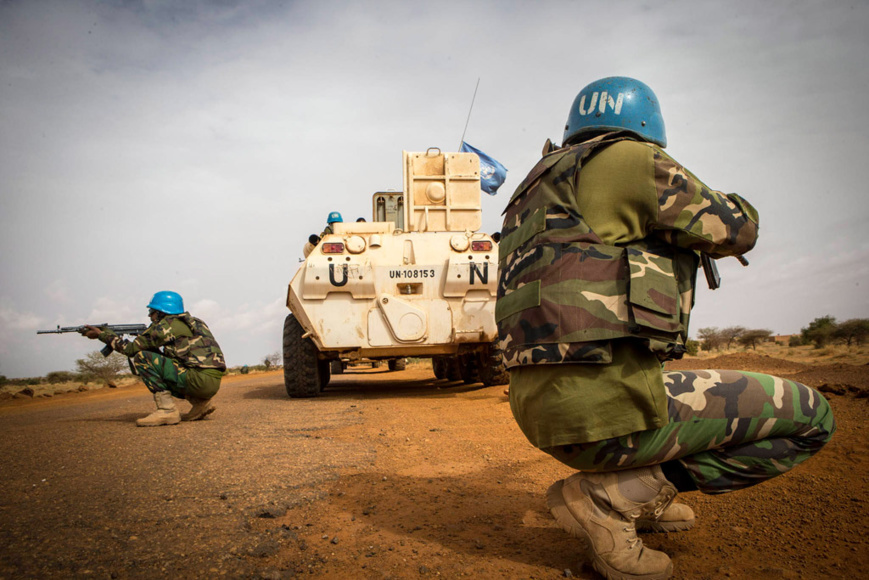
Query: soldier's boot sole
(678, 517)
(566, 520)
(199, 411)
(159, 418)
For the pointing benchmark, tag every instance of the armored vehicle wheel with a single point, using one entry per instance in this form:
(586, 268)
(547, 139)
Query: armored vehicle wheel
(304, 375)
(336, 367)
(325, 375)
(492, 369)
(438, 365)
(397, 364)
(469, 369)
(451, 364)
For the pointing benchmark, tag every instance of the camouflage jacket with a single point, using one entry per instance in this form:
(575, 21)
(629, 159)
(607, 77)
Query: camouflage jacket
(181, 337)
(564, 294)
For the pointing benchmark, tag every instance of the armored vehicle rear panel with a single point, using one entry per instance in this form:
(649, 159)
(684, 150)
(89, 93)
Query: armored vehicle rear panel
(418, 281)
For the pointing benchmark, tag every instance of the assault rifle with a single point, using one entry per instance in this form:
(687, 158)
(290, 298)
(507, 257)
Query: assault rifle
(119, 329)
(713, 278)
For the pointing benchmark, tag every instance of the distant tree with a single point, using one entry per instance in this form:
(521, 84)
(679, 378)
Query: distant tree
(819, 331)
(710, 338)
(854, 331)
(691, 347)
(796, 340)
(751, 337)
(731, 334)
(106, 369)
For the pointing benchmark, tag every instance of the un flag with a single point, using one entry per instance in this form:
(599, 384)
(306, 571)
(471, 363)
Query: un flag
(492, 173)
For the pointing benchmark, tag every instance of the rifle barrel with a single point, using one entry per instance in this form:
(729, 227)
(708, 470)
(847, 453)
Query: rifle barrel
(132, 329)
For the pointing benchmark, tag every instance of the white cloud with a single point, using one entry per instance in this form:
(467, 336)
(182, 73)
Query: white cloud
(109, 310)
(58, 292)
(13, 321)
(194, 146)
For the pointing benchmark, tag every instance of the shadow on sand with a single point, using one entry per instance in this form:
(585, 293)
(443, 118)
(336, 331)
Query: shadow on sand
(373, 384)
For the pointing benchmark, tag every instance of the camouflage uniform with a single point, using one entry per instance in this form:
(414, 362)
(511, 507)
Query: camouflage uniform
(190, 364)
(598, 261)
(728, 429)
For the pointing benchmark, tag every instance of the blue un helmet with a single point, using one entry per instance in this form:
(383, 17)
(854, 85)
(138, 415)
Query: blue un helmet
(167, 302)
(616, 104)
(334, 217)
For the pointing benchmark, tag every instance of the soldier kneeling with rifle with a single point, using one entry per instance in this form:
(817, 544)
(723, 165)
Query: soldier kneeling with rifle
(190, 365)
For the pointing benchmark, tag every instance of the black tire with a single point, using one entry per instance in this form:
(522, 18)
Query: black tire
(303, 373)
(397, 364)
(492, 369)
(336, 367)
(325, 375)
(438, 365)
(469, 369)
(451, 367)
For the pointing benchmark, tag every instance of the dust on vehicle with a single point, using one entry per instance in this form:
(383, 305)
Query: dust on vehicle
(419, 280)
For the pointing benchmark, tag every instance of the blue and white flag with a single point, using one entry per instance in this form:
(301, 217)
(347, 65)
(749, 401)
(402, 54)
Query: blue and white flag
(492, 173)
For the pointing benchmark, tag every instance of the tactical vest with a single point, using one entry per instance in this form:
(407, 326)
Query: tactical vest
(563, 294)
(199, 351)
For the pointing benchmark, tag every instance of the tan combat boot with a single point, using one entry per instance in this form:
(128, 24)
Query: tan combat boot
(200, 408)
(678, 517)
(603, 508)
(166, 413)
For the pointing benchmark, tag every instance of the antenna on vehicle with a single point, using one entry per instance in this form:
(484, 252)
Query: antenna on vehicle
(469, 113)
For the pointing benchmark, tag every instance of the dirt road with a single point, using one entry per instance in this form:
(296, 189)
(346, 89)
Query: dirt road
(389, 475)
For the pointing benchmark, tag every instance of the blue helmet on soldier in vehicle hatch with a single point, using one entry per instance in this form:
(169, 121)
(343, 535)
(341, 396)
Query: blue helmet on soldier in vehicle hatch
(334, 217)
(167, 302)
(615, 104)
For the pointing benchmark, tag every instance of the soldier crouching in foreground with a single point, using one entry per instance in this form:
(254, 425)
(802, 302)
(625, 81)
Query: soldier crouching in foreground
(599, 254)
(190, 365)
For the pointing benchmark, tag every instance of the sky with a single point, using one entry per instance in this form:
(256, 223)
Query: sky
(193, 146)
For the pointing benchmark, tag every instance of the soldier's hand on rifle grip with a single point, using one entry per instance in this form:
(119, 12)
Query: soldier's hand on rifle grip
(91, 332)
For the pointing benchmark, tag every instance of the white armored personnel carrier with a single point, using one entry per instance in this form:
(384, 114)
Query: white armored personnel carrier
(417, 281)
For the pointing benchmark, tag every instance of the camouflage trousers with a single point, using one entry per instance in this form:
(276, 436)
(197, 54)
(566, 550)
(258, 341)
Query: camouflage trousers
(160, 373)
(728, 429)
